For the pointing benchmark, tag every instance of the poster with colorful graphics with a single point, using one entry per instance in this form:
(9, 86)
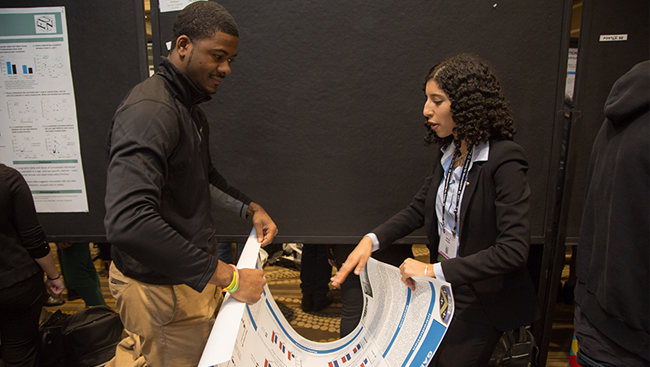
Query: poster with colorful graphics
(39, 133)
(398, 328)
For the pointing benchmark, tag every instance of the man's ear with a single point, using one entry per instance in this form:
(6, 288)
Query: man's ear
(183, 46)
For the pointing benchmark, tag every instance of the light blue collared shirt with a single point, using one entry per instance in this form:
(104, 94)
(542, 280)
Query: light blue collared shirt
(480, 153)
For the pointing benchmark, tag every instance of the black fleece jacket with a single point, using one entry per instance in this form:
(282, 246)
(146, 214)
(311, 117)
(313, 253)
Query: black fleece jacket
(161, 184)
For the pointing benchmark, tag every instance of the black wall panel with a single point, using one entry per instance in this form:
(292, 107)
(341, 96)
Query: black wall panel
(321, 119)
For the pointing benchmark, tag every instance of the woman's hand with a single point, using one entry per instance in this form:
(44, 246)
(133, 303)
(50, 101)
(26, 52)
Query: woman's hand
(412, 268)
(55, 287)
(356, 260)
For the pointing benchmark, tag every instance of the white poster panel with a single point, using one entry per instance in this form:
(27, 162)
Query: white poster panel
(174, 5)
(38, 131)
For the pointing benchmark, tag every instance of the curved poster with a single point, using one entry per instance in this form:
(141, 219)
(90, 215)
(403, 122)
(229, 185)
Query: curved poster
(397, 328)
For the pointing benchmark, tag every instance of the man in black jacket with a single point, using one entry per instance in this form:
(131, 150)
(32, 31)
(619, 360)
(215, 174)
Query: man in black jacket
(161, 185)
(612, 291)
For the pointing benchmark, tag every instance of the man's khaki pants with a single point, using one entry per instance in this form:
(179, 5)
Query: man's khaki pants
(168, 325)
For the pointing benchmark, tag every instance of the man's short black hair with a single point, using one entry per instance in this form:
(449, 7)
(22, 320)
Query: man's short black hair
(201, 19)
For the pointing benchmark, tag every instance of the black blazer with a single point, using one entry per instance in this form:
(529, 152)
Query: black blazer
(494, 234)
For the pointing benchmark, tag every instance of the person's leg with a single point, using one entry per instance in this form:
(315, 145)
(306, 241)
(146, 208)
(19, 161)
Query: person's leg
(20, 309)
(307, 276)
(351, 293)
(80, 272)
(466, 344)
(322, 273)
(105, 255)
(128, 353)
(172, 322)
(314, 278)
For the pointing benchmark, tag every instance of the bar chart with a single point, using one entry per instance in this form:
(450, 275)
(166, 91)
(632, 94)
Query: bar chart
(17, 67)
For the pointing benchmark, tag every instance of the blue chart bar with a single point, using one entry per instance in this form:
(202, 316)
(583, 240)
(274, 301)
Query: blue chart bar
(11, 69)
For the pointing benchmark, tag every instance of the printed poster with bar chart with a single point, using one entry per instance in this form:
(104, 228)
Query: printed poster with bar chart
(39, 133)
(398, 327)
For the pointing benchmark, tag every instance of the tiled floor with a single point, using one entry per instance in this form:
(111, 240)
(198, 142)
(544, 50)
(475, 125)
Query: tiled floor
(284, 284)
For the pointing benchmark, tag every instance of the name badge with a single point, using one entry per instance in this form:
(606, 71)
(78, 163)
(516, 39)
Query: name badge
(448, 246)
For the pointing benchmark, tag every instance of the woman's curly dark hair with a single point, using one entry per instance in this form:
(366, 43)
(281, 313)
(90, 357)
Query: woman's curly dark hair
(478, 106)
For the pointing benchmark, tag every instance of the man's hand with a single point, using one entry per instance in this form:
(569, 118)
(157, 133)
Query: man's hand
(251, 285)
(251, 282)
(264, 225)
(356, 260)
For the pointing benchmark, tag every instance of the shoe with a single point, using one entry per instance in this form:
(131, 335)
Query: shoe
(51, 301)
(322, 303)
(307, 303)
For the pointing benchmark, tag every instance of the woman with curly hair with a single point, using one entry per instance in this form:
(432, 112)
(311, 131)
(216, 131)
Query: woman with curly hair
(475, 209)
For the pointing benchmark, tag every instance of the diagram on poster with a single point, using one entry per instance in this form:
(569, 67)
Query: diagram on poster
(39, 133)
(398, 327)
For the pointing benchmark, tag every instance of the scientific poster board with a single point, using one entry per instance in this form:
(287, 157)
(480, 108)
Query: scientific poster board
(107, 55)
(37, 100)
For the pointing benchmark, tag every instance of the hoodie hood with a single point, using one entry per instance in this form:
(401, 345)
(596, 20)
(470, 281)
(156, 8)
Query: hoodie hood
(630, 94)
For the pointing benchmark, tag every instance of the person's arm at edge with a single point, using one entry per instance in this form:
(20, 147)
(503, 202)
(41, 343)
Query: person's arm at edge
(30, 231)
(54, 283)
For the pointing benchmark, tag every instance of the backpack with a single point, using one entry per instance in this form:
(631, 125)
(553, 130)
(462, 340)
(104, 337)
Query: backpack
(516, 348)
(51, 352)
(91, 335)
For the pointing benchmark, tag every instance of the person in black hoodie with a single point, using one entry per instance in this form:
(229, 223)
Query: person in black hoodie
(612, 308)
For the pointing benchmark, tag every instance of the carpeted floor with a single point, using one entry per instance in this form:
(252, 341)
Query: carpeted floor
(284, 284)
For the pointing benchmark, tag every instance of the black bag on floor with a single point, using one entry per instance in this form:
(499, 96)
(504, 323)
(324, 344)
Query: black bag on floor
(51, 351)
(91, 335)
(516, 348)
